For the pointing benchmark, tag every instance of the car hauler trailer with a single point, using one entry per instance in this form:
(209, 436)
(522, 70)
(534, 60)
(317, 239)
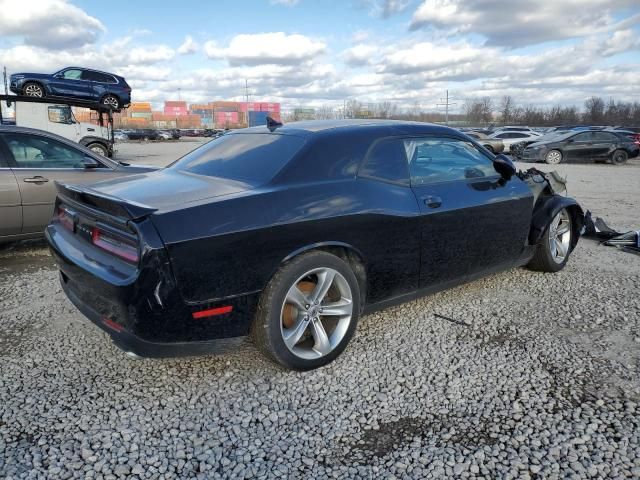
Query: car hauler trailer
(55, 115)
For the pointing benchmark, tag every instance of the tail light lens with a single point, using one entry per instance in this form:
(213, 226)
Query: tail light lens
(115, 245)
(65, 217)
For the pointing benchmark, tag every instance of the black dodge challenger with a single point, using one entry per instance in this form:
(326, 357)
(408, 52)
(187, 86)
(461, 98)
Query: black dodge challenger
(289, 233)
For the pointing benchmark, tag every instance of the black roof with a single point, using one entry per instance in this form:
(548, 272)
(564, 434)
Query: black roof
(310, 127)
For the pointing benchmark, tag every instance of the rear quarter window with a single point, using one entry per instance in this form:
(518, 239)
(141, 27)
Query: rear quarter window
(253, 158)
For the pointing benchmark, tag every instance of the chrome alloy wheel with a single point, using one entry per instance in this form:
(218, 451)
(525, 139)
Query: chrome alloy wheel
(111, 101)
(316, 313)
(554, 157)
(33, 90)
(560, 236)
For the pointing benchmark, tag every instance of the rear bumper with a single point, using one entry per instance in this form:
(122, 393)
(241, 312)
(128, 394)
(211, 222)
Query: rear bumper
(144, 313)
(140, 347)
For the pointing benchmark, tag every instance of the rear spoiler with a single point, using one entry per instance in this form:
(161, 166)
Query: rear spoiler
(114, 206)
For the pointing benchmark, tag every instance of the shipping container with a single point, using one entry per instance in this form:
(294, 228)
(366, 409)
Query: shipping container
(175, 104)
(257, 118)
(141, 115)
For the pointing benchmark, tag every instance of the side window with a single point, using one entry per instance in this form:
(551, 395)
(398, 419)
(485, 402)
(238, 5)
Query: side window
(504, 135)
(60, 114)
(582, 137)
(604, 137)
(435, 160)
(519, 135)
(72, 74)
(33, 151)
(386, 160)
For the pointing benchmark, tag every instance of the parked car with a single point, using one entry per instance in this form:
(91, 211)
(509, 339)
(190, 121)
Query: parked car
(143, 134)
(58, 118)
(120, 136)
(494, 145)
(162, 135)
(346, 217)
(30, 162)
(509, 138)
(75, 82)
(586, 145)
(514, 129)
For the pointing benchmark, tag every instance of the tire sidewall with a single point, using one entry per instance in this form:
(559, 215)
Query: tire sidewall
(103, 150)
(111, 96)
(268, 317)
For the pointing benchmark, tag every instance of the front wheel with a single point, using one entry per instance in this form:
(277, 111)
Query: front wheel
(619, 157)
(33, 89)
(553, 252)
(308, 312)
(553, 157)
(98, 148)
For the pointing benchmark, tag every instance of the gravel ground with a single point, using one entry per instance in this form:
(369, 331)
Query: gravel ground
(542, 381)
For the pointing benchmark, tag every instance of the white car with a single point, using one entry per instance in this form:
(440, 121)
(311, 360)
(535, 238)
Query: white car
(510, 137)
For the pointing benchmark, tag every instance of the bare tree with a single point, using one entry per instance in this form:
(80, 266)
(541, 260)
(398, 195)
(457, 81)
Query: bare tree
(506, 109)
(594, 110)
(325, 112)
(487, 109)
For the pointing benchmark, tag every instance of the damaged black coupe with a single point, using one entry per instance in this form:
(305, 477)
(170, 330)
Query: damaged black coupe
(288, 233)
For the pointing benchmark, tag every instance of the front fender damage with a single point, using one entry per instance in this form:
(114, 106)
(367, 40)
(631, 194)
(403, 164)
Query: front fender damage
(546, 189)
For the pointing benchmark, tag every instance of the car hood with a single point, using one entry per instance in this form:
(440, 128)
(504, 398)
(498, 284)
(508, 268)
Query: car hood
(167, 188)
(32, 75)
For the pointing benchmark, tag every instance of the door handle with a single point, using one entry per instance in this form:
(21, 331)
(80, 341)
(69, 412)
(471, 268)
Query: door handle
(36, 179)
(432, 201)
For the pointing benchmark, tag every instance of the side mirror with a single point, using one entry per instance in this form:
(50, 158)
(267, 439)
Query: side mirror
(504, 166)
(90, 162)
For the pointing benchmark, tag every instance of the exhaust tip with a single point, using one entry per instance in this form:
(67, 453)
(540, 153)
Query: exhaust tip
(133, 356)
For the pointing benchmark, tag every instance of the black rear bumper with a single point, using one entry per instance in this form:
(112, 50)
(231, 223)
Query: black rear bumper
(137, 346)
(145, 314)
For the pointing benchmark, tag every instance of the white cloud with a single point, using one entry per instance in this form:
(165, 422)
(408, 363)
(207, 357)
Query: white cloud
(517, 24)
(266, 48)
(189, 46)
(360, 54)
(51, 24)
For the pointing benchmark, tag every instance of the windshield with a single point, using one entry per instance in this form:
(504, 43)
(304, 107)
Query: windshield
(249, 157)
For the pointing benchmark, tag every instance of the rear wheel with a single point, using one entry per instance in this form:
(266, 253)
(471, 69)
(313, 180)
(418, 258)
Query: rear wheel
(553, 157)
(111, 101)
(490, 148)
(553, 252)
(33, 89)
(98, 148)
(619, 157)
(308, 312)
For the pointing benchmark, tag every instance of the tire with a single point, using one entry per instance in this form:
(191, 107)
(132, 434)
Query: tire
(99, 148)
(548, 257)
(315, 338)
(111, 101)
(553, 157)
(619, 157)
(33, 89)
(146, 139)
(490, 148)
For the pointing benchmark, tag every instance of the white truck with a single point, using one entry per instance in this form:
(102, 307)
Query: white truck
(58, 118)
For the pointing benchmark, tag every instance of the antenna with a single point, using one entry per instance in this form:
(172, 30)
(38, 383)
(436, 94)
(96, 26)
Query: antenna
(446, 106)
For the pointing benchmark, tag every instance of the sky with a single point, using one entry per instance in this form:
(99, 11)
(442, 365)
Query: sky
(323, 52)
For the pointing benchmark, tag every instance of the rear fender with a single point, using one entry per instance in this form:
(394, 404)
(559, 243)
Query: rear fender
(546, 208)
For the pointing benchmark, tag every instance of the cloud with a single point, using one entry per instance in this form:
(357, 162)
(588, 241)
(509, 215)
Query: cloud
(189, 46)
(286, 3)
(360, 54)
(50, 24)
(275, 48)
(513, 24)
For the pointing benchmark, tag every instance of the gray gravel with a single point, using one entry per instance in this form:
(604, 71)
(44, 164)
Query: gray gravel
(543, 383)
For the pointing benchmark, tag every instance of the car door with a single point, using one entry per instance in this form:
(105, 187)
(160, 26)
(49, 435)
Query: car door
(38, 161)
(579, 147)
(69, 83)
(10, 204)
(101, 83)
(472, 221)
(603, 145)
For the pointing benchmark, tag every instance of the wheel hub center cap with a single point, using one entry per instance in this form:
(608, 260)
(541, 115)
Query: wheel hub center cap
(314, 311)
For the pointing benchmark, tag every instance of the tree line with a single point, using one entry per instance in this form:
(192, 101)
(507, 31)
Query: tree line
(486, 111)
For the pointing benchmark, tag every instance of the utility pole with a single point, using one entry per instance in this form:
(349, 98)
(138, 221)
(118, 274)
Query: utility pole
(246, 90)
(446, 106)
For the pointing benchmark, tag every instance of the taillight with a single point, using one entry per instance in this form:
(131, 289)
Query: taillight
(113, 244)
(65, 217)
